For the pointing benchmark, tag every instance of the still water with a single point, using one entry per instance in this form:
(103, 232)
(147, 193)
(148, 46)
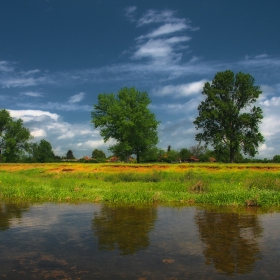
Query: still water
(99, 241)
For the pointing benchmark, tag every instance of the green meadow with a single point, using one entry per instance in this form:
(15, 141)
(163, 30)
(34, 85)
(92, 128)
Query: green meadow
(247, 185)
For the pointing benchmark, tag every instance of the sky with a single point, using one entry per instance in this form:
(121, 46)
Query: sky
(56, 56)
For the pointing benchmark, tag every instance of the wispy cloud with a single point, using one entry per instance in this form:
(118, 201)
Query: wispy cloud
(165, 30)
(161, 51)
(31, 72)
(182, 90)
(56, 106)
(77, 97)
(261, 61)
(162, 45)
(130, 13)
(70, 105)
(6, 66)
(11, 77)
(32, 94)
(155, 16)
(13, 82)
(185, 108)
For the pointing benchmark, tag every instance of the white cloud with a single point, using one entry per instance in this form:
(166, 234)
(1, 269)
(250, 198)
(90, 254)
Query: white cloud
(187, 108)
(31, 72)
(182, 90)
(93, 144)
(57, 106)
(11, 82)
(77, 97)
(164, 50)
(270, 125)
(261, 56)
(153, 16)
(38, 132)
(260, 63)
(130, 9)
(154, 49)
(66, 135)
(195, 59)
(27, 115)
(263, 149)
(32, 94)
(6, 66)
(82, 138)
(160, 50)
(274, 101)
(166, 29)
(179, 133)
(130, 13)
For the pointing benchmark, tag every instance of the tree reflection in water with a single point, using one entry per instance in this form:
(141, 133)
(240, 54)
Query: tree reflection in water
(9, 212)
(125, 228)
(230, 240)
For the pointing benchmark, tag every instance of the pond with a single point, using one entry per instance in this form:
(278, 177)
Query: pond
(99, 241)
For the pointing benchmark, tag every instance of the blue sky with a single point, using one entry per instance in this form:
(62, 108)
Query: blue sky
(56, 56)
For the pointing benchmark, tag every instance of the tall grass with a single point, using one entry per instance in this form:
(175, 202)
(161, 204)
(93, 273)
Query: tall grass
(196, 185)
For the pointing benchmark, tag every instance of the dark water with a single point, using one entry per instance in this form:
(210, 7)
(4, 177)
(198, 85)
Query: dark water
(89, 241)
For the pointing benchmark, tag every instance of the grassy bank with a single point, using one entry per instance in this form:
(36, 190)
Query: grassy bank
(212, 184)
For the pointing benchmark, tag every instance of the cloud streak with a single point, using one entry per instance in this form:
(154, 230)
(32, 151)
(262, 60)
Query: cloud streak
(182, 90)
(77, 97)
(56, 106)
(32, 94)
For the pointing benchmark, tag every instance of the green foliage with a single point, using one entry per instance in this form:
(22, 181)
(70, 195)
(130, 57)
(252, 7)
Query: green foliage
(197, 150)
(93, 160)
(170, 156)
(205, 157)
(98, 154)
(185, 154)
(70, 155)
(42, 152)
(152, 154)
(276, 158)
(222, 154)
(120, 150)
(126, 118)
(207, 184)
(224, 117)
(14, 138)
(155, 176)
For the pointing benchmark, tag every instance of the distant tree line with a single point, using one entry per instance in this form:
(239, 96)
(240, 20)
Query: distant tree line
(227, 124)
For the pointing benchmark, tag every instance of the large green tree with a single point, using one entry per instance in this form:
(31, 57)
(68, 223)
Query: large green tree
(227, 118)
(98, 154)
(125, 117)
(42, 151)
(14, 138)
(70, 155)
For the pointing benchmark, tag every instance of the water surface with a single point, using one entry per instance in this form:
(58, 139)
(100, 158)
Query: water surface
(92, 241)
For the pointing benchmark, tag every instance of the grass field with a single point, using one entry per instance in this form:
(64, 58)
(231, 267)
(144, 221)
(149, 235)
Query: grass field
(195, 184)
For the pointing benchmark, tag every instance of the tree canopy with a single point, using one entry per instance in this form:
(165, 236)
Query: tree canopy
(276, 158)
(14, 138)
(98, 154)
(42, 151)
(227, 118)
(70, 155)
(126, 118)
